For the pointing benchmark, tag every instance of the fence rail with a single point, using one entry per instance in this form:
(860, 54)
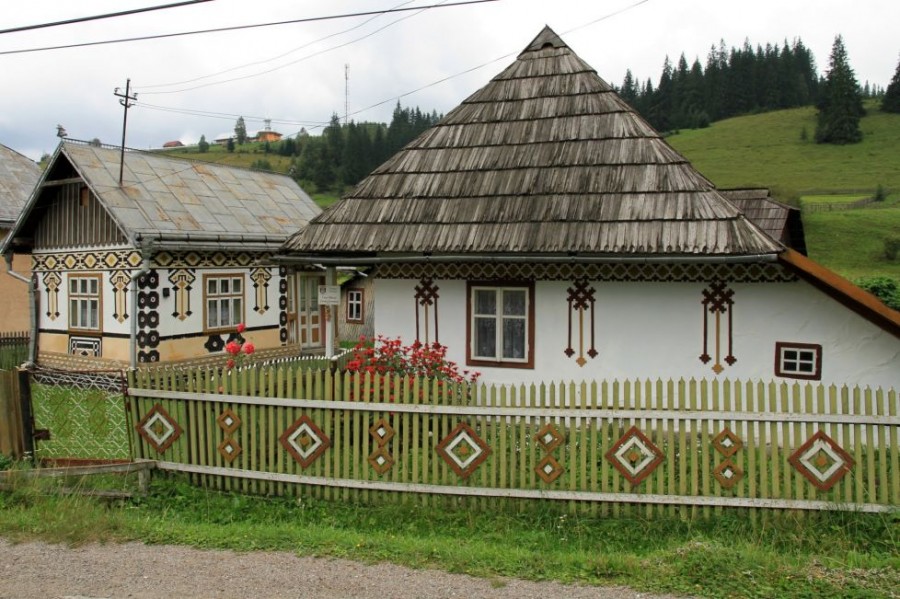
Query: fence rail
(596, 446)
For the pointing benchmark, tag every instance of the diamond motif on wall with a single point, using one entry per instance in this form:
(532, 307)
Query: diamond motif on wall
(549, 469)
(305, 441)
(381, 460)
(822, 461)
(728, 473)
(158, 428)
(727, 443)
(548, 437)
(634, 456)
(229, 449)
(228, 421)
(463, 450)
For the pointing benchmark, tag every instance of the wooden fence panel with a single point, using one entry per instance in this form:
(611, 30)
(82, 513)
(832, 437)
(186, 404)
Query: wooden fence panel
(692, 447)
(12, 433)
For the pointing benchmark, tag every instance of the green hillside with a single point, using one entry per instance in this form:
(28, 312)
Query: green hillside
(768, 150)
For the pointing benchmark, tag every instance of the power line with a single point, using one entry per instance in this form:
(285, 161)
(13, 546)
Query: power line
(274, 58)
(103, 16)
(320, 124)
(419, 10)
(239, 27)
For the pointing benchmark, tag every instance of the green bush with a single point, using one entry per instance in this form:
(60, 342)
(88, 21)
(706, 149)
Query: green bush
(884, 288)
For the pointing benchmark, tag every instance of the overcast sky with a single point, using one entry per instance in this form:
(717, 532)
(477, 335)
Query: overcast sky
(295, 74)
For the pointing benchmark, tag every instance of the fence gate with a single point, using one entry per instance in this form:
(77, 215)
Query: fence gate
(79, 417)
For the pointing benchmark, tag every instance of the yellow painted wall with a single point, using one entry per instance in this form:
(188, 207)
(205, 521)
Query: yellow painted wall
(14, 313)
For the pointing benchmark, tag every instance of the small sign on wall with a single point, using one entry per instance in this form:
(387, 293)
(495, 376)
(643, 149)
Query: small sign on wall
(330, 294)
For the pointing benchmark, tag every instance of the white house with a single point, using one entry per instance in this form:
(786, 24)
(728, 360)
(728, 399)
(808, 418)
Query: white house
(544, 231)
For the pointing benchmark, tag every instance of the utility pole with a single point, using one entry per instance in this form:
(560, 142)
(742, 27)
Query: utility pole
(125, 100)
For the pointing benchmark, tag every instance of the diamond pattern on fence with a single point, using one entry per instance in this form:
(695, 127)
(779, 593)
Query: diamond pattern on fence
(634, 455)
(822, 461)
(159, 429)
(84, 412)
(463, 450)
(305, 441)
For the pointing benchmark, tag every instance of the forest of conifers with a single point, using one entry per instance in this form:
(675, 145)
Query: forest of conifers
(733, 82)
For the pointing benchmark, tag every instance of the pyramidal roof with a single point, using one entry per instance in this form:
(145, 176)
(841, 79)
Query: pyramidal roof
(545, 159)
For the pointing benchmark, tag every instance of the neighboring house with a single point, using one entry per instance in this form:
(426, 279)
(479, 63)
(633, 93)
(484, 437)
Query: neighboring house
(779, 221)
(542, 230)
(18, 176)
(173, 144)
(267, 135)
(356, 316)
(165, 265)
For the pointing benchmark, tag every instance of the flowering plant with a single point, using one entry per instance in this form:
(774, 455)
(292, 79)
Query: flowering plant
(383, 357)
(237, 348)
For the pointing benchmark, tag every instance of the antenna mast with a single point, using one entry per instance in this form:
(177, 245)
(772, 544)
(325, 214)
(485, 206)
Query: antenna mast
(346, 91)
(125, 100)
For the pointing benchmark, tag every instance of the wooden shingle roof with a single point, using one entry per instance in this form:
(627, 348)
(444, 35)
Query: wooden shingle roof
(545, 159)
(18, 176)
(780, 221)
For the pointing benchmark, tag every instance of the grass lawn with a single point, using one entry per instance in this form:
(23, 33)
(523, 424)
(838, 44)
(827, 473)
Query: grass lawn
(768, 150)
(851, 242)
(787, 555)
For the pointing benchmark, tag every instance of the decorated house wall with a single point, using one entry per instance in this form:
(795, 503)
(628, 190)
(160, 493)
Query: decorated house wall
(592, 329)
(170, 304)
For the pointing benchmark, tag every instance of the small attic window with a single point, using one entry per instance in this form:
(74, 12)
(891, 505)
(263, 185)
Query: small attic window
(547, 45)
(84, 196)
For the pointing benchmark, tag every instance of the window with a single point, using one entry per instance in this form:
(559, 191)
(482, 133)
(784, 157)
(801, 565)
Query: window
(501, 325)
(224, 301)
(84, 303)
(355, 306)
(798, 360)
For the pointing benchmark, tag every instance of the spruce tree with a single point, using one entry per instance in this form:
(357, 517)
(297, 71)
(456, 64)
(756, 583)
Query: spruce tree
(240, 131)
(891, 100)
(203, 146)
(840, 105)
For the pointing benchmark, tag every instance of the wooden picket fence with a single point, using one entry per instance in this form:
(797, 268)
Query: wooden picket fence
(650, 446)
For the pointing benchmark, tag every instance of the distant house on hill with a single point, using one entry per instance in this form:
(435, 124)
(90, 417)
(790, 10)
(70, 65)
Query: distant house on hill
(544, 231)
(268, 135)
(173, 144)
(18, 176)
(165, 265)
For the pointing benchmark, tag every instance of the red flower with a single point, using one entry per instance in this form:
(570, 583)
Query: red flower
(229, 364)
(233, 348)
(241, 327)
(249, 348)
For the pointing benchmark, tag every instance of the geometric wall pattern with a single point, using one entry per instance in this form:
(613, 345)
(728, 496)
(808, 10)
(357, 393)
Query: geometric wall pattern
(207, 259)
(148, 317)
(694, 273)
(92, 260)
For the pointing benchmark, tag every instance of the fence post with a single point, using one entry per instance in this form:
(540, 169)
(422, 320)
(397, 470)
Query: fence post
(26, 413)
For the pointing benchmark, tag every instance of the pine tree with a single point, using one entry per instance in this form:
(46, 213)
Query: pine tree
(891, 100)
(240, 131)
(203, 146)
(840, 105)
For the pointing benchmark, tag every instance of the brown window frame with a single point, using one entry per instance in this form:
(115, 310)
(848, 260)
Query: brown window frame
(528, 286)
(815, 375)
(69, 297)
(243, 296)
(362, 306)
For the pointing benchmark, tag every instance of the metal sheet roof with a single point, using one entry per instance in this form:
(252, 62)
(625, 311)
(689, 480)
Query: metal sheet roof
(168, 198)
(18, 176)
